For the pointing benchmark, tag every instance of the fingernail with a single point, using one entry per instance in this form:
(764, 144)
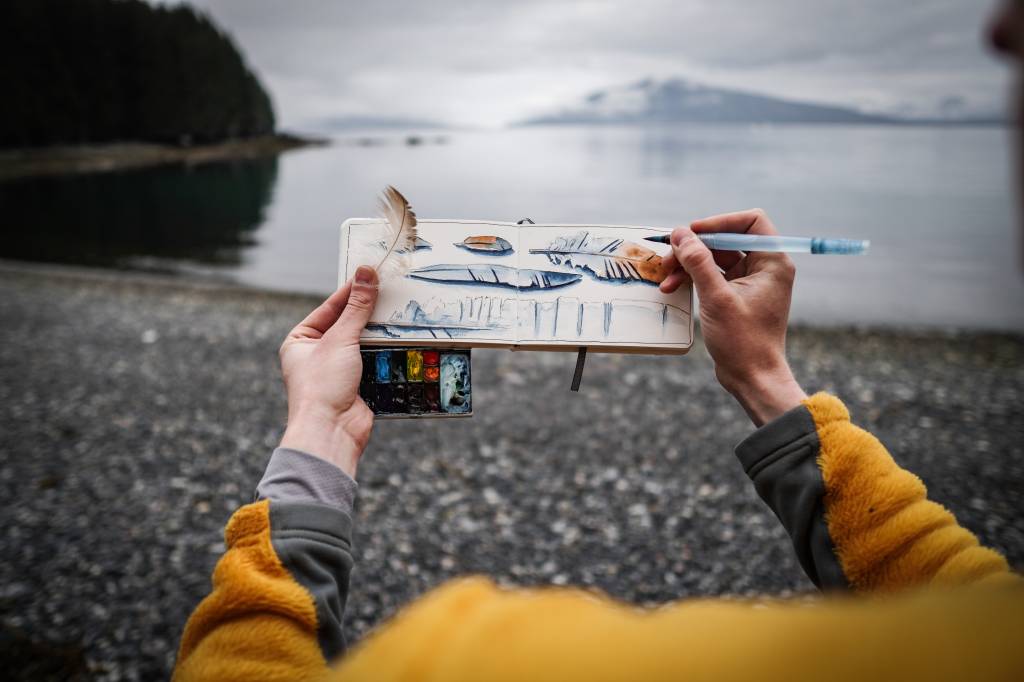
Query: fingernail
(365, 275)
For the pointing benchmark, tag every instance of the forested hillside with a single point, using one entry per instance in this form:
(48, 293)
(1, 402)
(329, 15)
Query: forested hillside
(92, 71)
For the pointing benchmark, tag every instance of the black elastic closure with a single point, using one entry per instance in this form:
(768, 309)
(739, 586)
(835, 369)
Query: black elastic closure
(577, 376)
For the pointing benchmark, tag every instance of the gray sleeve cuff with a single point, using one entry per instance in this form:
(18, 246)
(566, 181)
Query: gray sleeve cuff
(781, 459)
(776, 439)
(296, 476)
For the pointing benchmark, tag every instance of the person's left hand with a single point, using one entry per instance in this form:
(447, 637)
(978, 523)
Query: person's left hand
(322, 367)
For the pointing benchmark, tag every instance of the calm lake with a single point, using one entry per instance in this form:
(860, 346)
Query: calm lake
(936, 204)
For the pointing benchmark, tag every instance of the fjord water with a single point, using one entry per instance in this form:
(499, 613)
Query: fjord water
(936, 203)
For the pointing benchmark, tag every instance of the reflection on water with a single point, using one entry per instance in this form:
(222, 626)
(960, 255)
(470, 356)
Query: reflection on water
(204, 214)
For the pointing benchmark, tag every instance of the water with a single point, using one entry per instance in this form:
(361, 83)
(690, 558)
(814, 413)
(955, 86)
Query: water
(936, 204)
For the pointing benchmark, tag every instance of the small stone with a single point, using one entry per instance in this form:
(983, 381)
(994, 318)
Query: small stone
(638, 509)
(653, 488)
(492, 497)
(515, 379)
(450, 498)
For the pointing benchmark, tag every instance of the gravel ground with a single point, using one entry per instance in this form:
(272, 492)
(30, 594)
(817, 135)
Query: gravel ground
(136, 414)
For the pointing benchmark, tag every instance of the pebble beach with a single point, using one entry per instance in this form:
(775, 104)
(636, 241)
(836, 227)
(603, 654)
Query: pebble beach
(137, 413)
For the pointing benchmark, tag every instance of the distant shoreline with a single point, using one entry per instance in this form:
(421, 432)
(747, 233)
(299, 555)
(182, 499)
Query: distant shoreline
(881, 123)
(103, 158)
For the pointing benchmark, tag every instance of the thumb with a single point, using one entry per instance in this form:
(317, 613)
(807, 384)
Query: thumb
(361, 301)
(699, 263)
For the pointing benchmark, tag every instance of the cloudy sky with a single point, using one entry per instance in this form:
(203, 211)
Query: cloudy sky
(489, 62)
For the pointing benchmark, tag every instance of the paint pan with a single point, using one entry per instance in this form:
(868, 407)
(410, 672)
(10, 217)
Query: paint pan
(417, 382)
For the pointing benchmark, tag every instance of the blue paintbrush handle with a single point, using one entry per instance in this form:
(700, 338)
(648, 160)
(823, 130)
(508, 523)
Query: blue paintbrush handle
(732, 241)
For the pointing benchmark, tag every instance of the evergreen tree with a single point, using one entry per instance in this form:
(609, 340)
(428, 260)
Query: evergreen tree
(87, 71)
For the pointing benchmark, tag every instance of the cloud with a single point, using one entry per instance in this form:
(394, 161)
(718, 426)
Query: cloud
(489, 62)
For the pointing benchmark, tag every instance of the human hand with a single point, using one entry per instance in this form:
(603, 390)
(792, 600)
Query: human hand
(743, 311)
(322, 367)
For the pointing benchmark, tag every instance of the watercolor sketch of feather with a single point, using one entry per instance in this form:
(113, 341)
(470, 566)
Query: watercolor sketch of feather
(399, 236)
(486, 244)
(495, 275)
(606, 258)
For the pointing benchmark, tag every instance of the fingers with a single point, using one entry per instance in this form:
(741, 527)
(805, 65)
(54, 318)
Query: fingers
(699, 263)
(326, 314)
(675, 279)
(753, 220)
(725, 260)
(361, 301)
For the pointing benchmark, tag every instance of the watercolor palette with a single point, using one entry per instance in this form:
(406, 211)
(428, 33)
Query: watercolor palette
(417, 382)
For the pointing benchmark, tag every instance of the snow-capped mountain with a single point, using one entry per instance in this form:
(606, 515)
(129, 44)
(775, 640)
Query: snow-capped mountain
(675, 100)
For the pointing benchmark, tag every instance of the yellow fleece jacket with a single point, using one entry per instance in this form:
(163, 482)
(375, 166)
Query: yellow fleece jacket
(858, 521)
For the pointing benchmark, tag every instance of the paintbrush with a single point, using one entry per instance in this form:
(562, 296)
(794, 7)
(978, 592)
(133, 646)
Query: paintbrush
(733, 241)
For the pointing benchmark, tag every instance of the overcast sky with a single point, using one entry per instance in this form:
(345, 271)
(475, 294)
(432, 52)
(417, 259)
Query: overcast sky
(489, 62)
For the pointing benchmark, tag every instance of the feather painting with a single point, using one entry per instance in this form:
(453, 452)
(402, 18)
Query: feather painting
(486, 244)
(606, 258)
(495, 275)
(399, 237)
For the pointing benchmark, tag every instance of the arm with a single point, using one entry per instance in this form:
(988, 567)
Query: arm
(280, 589)
(857, 520)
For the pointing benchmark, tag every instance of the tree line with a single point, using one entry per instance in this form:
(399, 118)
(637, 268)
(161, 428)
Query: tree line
(94, 71)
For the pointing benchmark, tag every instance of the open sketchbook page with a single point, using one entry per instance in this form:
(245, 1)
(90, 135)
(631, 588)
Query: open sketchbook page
(484, 283)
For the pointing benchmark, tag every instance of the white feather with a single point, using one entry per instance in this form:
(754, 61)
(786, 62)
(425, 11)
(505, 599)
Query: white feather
(399, 237)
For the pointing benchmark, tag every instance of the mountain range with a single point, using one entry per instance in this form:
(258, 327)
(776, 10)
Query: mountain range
(677, 100)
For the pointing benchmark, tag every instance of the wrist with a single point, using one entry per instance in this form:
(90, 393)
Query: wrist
(767, 394)
(323, 436)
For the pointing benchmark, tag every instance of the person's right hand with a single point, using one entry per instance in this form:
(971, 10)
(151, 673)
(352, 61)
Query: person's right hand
(744, 309)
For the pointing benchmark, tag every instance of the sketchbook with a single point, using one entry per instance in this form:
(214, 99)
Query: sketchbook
(477, 283)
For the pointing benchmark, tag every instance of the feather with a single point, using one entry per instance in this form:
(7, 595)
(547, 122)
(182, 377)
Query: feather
(607, 258)
(486, 244)
(400, 236)
(495, 275)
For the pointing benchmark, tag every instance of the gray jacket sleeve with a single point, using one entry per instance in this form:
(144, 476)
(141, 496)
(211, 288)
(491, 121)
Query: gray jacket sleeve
(311, 531)
(781, 459)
